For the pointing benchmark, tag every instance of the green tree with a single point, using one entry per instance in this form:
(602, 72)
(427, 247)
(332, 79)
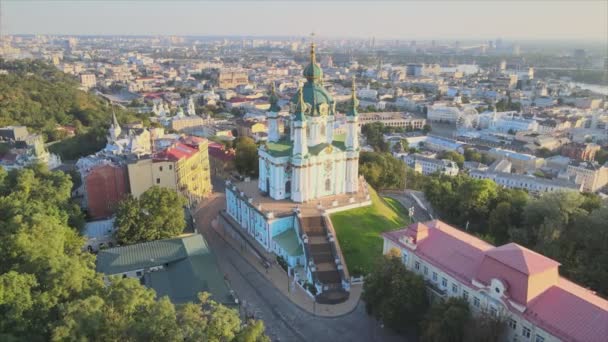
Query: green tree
(374, 135)
(157, 214)
(446, 321)
(485, 327)
(395, 295)
(49, 289)
(471, 154)
(500, 222)
(382, 170)
(426, 129)
(39, 96)
(246, 159)
(453, 156)
(253, 332)
(602, 155)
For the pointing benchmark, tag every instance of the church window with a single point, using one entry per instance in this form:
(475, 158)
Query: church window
(327, 185)
(157, 180)
(160, 168)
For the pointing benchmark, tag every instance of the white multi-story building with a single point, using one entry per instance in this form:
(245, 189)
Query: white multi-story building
(443, 113)
(590, 176)
(392, 119)
(510, 281)
(530, 183)
(427, 166)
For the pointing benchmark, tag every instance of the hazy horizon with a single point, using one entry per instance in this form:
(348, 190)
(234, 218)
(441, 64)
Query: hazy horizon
(441, 20)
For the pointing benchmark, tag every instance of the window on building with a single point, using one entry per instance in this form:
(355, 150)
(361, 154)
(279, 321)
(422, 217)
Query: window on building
(454, 288)
(138, 273)
(476, 302)
(512, 323)
(465, 295)
(417, 265)
(434, 276)
(539, 339)
(157, 180)
(327, 185)
(426, 270)
(170, 167)
(404, 257)
(444, 282)
(493, 311)
(160, 168)
(525, 332)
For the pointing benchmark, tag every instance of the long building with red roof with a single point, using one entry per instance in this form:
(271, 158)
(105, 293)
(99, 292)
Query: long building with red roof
(510, 280)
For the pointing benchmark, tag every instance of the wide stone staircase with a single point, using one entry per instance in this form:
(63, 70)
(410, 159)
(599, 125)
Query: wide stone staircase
(327, 272)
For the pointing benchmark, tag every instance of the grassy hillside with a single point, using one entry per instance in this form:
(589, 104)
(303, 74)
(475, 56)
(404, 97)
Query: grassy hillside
(37, 95)
(359, 231)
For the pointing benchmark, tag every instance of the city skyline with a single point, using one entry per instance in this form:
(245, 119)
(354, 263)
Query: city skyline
(463, 20)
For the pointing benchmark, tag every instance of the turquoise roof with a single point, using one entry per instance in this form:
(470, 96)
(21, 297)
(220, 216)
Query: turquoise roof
(314, 93)
(274, 100)
(283, 148)
(313, 71)
(189, 267)
(280, 148)
(301, 107)
(288, 241)
(354, 103)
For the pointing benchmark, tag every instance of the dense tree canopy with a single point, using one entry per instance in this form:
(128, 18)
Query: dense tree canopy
(395, 295)
(157, 214)
(567, 226)
(382, 170)
(49, 289)
(453, 156)
(446, 321)
(374, 133)
(246, 159)
(39, 96)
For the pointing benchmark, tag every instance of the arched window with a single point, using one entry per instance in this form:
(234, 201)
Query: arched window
(288, 187)
(328, 185)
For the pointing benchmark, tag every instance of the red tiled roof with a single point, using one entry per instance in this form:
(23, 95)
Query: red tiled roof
(238, 100)
(176, 152)
(218, 151)
(564, 309)
(192, 141)
(570, 312)
(521, 258)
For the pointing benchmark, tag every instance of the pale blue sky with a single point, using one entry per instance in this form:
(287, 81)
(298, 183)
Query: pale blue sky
(578, 20)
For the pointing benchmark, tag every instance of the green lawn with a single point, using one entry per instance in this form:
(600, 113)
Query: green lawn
(359, 231)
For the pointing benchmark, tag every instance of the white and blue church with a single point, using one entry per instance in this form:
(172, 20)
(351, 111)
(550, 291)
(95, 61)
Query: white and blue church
(308, 163)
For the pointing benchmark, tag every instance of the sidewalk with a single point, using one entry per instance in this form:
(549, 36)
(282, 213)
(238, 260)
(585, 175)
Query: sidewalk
(279, 278)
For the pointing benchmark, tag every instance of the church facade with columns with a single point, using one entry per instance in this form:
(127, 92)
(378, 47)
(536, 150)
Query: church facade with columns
(311, 162)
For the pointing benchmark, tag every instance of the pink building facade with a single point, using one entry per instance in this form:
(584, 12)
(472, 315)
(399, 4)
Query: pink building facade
(509, 280)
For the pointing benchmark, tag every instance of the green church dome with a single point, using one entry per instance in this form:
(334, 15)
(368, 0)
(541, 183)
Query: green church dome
(313, 92)
(313, 71)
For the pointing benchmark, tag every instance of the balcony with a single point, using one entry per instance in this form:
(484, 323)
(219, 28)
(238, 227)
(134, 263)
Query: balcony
(435, 290)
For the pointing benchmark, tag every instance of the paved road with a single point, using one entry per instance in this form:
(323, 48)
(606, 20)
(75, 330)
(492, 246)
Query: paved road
(406, 199)
(284, 320)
